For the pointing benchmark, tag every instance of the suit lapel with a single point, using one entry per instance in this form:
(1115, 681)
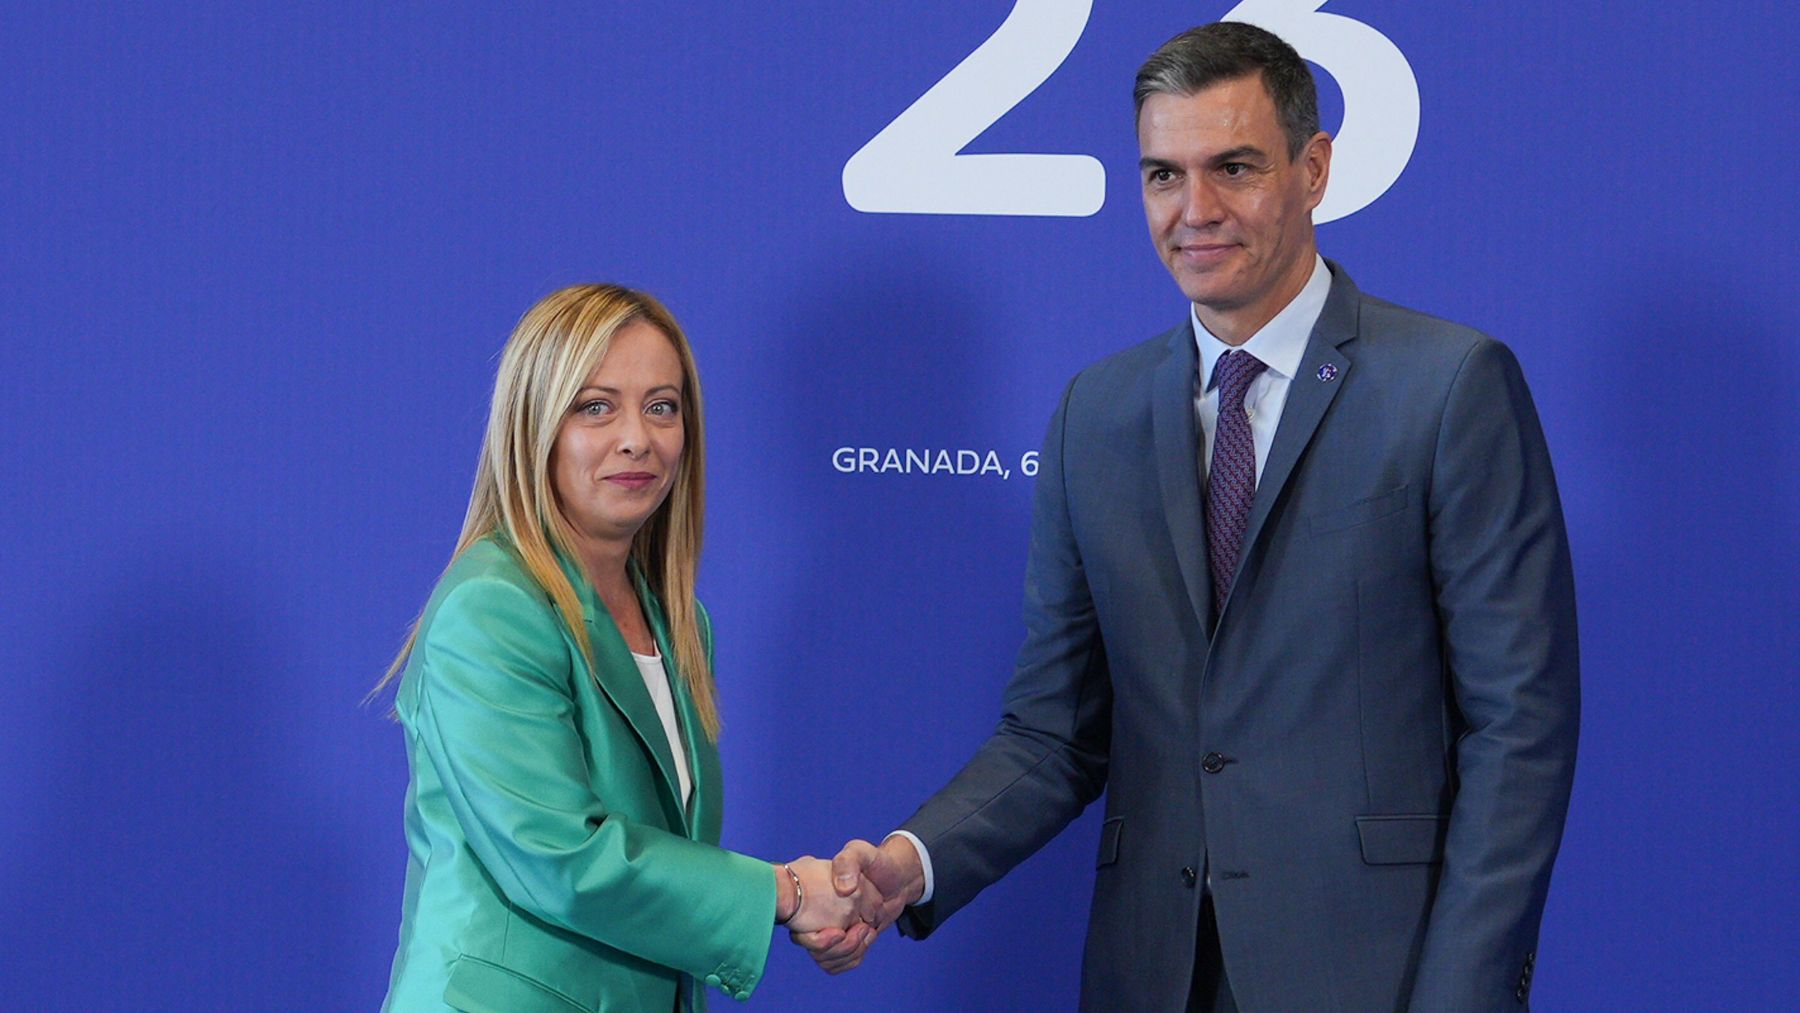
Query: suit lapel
(704, 807)
(1323, 371)
(616, 673)
(1178, 464)
(702, 756)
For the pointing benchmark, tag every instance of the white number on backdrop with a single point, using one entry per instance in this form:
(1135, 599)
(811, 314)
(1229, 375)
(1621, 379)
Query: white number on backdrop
(912, 166)
(1381, 97)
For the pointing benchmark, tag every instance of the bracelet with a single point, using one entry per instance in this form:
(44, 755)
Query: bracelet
(799, 894)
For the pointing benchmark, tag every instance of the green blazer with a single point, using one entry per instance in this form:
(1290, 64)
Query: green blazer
(551, 864)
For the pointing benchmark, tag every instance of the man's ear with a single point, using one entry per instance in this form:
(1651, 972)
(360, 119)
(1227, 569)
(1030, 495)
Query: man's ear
(1315, 163)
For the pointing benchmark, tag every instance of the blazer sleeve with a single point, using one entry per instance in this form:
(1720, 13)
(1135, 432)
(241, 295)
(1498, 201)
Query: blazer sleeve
(1506, 603)
(495, 715)
(1048, 758)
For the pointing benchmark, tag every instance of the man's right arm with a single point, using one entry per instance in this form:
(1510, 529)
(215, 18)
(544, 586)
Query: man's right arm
(1045, 762)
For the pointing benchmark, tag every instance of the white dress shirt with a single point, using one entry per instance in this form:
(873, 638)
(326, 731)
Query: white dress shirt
(1280, 344)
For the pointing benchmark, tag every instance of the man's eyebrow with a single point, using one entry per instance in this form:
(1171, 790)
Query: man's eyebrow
(1238, 154)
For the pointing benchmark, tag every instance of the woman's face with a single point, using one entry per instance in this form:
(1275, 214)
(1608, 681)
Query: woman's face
(620, 442)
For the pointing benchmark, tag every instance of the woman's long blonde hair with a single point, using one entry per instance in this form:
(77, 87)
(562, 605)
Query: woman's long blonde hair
(551, 353)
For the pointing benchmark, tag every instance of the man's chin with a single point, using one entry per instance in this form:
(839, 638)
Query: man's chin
(1212, 298)
(1207, 287)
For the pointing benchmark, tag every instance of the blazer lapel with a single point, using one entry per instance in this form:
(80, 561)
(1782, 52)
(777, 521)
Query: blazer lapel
(705, 809)
(702, 756)
(1178, 465)
(1323, 370)
(616, 673)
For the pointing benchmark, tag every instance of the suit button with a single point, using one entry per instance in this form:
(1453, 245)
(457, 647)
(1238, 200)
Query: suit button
(1189, 877)
(1212, 763)
(1519, 993)
(713, 980)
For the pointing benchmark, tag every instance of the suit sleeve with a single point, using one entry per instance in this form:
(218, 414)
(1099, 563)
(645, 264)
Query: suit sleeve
(1047, 759)
(1506, 604)
(495, 716)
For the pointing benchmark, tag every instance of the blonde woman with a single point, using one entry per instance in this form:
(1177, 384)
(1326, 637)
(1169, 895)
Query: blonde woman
(557, 697)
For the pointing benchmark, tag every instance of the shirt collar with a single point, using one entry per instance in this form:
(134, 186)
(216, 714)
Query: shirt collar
(1281, 343)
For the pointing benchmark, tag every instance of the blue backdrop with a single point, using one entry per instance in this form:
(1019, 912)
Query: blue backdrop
(258, 262)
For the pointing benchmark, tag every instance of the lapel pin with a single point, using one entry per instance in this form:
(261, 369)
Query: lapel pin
(1328, 372)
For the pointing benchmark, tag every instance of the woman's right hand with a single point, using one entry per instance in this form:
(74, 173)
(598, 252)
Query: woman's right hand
(816, 905)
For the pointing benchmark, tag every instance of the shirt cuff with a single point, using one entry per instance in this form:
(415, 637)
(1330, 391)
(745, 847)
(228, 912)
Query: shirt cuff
(924, 861)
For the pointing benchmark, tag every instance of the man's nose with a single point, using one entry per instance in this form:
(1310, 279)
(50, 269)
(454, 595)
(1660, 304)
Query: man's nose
(1200, 202)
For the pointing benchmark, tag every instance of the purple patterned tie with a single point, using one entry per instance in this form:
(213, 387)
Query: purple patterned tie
(1231, 482)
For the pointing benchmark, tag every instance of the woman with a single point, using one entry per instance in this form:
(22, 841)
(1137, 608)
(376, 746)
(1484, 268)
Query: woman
(561, 725)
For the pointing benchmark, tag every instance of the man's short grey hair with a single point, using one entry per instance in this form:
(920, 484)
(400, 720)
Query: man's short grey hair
(1225, 51)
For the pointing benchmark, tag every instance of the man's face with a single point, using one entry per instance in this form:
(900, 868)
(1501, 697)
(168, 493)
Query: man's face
(1229, 211)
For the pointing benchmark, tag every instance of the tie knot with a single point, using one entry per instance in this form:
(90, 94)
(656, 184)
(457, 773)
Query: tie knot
(1233, 374)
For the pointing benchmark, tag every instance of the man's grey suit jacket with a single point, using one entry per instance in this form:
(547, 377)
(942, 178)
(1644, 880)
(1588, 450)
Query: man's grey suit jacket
(1373, 751)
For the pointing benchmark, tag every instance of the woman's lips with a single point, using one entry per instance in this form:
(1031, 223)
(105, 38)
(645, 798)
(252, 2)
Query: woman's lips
(632, 479)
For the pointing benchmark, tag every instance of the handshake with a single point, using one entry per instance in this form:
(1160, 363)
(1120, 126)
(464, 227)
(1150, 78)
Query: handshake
(836, 909)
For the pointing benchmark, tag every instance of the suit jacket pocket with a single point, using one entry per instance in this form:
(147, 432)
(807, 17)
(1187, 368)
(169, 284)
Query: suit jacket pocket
(481, 986)
(1360, 512)
(1109, 841)
(1402, 840)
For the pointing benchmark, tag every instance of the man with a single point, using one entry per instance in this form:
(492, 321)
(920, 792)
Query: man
(1299, 599)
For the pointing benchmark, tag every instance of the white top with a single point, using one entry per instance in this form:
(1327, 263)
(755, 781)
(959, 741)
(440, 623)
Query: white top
(1280, 344)
(656, 680)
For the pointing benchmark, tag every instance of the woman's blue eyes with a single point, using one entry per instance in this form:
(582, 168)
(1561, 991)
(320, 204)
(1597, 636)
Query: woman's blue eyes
(660, 409)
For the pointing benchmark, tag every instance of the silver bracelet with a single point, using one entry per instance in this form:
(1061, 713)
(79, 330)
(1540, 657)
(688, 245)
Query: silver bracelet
(799, 893)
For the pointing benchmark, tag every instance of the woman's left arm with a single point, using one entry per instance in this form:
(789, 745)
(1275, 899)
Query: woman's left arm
(494, 715)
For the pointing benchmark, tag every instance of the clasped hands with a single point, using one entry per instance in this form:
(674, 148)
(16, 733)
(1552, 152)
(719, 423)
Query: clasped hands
(851, 899)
